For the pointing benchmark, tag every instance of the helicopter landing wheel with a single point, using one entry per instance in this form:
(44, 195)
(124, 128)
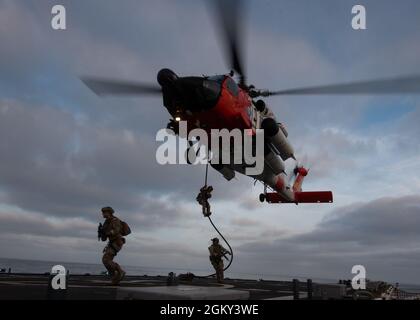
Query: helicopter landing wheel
(262, 197)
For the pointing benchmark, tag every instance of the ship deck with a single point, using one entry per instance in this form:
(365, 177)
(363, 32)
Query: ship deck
(98, 287)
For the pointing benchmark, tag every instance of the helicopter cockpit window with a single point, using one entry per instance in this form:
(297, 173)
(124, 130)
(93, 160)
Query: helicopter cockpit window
(232, 87)
(211, 92)
(218, 79)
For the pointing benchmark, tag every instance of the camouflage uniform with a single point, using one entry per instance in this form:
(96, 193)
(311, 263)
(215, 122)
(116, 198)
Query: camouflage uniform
(112, 232)
(203, 199)
(216, 254)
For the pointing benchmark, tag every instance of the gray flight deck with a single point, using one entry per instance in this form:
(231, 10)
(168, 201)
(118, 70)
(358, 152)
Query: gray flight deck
(97, 287)
(181, 292)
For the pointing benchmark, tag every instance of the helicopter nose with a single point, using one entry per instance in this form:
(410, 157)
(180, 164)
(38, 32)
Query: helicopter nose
(166, 77)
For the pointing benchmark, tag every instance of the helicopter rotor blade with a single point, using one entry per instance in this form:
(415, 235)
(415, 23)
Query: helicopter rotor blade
(292, 176)
(104, 87)
(398, 85)
(229, 13)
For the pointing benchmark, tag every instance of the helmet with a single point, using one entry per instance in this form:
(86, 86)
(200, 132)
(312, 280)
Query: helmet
(108, 209)
(215, 239)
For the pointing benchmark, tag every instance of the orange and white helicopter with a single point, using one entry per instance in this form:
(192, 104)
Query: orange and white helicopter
(220, 102)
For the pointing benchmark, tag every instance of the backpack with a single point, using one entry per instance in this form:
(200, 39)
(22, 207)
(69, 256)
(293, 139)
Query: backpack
(125, 229)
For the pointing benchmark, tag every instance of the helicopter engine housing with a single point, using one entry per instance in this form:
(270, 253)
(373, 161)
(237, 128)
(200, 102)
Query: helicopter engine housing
(275, 134)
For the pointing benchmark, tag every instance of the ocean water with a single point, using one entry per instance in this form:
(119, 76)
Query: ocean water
(40, 267)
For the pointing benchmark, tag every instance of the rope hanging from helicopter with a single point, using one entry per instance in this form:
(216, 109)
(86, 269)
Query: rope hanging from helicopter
(214, 226)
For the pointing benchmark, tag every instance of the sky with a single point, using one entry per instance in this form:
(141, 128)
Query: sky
(65, 153)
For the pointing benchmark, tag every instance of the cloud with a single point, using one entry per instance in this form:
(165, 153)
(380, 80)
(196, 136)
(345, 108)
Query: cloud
(386, 221)
(65, 153)
(338, 149)
(382, 235)
(22, 222)
(245, 222)
(60, 167)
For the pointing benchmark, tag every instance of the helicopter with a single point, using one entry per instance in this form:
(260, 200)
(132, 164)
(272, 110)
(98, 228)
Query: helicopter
(221, 102)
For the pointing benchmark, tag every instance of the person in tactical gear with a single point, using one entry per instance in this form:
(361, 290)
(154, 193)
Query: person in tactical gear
(217, 252)
(203, 199)
(112, 230)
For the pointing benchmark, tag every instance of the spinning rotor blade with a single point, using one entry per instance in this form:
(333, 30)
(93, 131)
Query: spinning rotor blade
(292, 173)
(114, 87)
(292, 176)
(408, 84)
(229, 12)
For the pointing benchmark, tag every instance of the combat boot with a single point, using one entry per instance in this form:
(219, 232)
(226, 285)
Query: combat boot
(114, 279)
(118, 276)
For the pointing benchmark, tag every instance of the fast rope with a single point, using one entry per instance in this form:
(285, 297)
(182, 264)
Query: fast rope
(217, 230)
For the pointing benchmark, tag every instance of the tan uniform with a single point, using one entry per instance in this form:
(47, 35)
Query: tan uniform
(112, 230)
(216, 254)
(203, 199)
